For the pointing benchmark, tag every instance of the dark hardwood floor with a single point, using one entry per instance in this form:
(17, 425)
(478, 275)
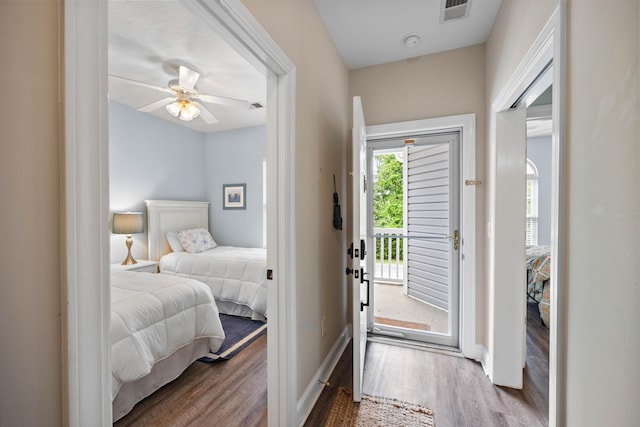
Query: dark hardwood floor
(231, 393)
(234, 393)
(456, 389)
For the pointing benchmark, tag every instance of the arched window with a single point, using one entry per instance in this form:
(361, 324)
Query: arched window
(532, 204)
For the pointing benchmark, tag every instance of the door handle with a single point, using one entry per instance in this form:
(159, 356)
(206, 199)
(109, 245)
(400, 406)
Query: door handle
(362, 280)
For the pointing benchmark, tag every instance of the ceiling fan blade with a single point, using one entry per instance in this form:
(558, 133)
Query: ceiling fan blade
(238, 103)
(187, 77)
(205, 114)
(157, 104)
(147, 85)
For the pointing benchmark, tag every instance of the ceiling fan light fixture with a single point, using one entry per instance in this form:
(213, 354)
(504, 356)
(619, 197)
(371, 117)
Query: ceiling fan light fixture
(184, 110)
(174, 108)
(189, 112)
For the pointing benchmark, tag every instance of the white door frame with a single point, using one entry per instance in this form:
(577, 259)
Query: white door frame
(466, 124)
(86, 289)
(549, 45)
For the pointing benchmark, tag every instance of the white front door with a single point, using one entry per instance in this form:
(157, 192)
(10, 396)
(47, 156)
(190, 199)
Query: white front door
(358, 250)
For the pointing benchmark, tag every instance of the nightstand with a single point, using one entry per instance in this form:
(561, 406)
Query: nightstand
(142, 265)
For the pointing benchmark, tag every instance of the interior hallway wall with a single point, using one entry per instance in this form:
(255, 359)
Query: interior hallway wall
(322, 132)
(603, 214)
(437, 85)
(31, 333)
(516, 27)
(602, 202)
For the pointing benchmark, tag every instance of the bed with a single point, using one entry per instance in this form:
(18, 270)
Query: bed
(236, 276)
(538, 263)
(159, 325)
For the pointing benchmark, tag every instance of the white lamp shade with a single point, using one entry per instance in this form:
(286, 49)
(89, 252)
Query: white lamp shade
(127, 223)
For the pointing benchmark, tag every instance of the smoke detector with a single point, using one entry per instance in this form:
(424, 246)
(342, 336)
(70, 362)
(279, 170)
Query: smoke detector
(411, 40)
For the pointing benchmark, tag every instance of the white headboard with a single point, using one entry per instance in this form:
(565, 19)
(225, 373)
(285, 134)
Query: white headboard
(170, 215)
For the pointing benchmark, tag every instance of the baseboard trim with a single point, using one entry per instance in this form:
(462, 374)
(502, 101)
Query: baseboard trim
(487, 362)
(477, 352)
(317, 384)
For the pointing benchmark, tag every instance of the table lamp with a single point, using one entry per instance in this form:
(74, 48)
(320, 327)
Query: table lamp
(128, 223)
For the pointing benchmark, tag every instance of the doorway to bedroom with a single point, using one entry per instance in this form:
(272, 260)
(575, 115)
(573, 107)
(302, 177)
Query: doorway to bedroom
(538, 220)
(188, 122)
(87, 247)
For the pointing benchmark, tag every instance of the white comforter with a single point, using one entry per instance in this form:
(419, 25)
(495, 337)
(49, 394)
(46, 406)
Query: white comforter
(152, 316)
(235, 275)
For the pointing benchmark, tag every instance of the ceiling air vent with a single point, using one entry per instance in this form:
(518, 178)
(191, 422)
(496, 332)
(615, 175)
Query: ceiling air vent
(454, 9)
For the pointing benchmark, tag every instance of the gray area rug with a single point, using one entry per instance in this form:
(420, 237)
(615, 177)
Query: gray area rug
(239, 333)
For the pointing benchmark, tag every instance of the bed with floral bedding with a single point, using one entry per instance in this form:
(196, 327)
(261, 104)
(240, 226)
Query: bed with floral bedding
(538, 263)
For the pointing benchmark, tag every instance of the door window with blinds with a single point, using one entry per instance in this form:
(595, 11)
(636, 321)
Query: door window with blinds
(532, 204)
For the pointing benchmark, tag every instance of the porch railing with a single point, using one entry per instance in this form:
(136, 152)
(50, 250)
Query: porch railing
(389, 255)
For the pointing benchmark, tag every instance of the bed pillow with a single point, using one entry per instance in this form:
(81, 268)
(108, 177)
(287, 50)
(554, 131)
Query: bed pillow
(196, 240)
(174, 241)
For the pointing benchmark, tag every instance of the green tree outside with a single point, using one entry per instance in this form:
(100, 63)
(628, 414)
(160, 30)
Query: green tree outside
(388, 195)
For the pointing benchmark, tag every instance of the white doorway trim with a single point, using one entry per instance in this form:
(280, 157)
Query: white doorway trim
(466, 123)
(550, 45)
(86, 290)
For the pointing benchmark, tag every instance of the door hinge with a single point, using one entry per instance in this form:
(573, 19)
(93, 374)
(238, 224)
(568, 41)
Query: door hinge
(364, 183)
(269, 274)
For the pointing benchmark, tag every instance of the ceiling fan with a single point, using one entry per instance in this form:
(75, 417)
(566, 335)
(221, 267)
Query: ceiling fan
(183, 102)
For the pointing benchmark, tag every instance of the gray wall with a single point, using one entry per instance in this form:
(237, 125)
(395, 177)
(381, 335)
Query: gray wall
(539, 152)
(151, 158)
(235, 157)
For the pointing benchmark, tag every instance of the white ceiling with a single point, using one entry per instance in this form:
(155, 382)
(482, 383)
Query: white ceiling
(371, 32)
(148, 40)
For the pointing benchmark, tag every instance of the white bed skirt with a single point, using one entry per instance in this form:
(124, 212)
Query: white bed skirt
(162, 373)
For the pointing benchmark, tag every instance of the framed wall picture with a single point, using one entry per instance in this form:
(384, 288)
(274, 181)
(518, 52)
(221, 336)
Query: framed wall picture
(234, 196)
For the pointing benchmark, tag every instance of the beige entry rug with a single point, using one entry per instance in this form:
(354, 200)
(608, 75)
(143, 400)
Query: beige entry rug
(376, 411)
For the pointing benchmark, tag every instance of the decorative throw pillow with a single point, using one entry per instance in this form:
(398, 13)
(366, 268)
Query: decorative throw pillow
(174, 241)
(196, 240)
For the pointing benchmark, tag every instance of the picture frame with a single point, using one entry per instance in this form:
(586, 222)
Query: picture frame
(234, 196)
